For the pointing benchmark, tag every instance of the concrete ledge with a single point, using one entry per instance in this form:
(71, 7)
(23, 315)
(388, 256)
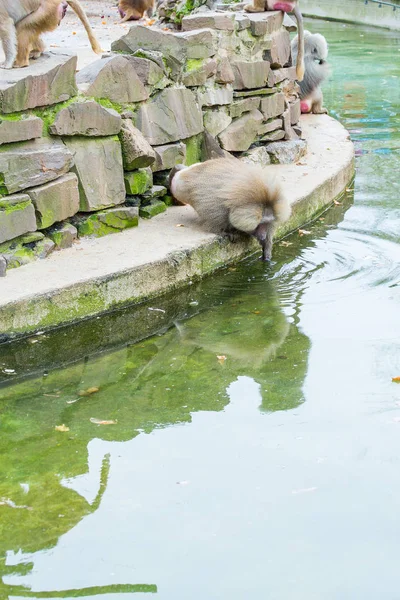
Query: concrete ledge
(357, 11)
(99, 275)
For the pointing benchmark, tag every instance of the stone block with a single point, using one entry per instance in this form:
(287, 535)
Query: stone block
(22, 250)
(55, 201)
(63, 235)
(295, 112)
(211, 20)
(285, 153)
(215, 121)
(242, 132)
(257, 156)
(3, 266)
(151, 210)
(290, 133)
(274, 136)
(98, 164)
(168, 156)
(108, 221)
(242, 22)
(225, 72)
(29, 164)
(44, 247)
(113, 78)
(86, 118)
(265, 23)
(271, 125)
(239, 107)
(198, 44)
(279, 53)
(289, 24)
(47, 80)
(138, 182)
(171, 115)
(198, 71)
(156, 192)
(17, 216)
(276, 76)
(136, 150)
(250, 75)
(149, 72)
(251, 93)
(273, 106)
(27, 128)
(215, 96)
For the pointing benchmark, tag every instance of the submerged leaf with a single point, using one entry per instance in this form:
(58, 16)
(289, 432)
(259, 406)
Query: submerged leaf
(101, 422)
(61, 427)
(89, 391)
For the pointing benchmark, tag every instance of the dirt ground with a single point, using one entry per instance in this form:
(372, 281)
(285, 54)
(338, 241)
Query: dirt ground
(71, 37)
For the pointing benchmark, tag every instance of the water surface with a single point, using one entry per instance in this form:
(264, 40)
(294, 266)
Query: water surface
(254, 449)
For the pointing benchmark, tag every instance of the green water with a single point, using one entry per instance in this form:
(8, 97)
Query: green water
(273, 473)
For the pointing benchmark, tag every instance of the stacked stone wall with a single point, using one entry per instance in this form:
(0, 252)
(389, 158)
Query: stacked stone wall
(89, 153)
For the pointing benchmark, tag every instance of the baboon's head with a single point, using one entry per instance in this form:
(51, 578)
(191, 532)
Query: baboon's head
(258, 221)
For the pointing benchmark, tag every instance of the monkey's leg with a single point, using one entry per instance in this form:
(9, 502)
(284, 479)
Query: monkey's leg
(37, 49)
(256, 7)
(318, 99)
(8, 36)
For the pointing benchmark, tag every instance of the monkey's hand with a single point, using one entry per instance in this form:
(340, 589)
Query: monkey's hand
(319, 111)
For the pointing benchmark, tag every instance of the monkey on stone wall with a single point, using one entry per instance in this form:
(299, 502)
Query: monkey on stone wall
(132, 10)
(231, 196)
(23, 21)
(316, 70)
(285, 6)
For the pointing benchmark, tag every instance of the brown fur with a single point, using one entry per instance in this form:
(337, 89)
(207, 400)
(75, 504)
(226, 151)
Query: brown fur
(132, 10)
(231, 196)
(23, 21)
(286, 6)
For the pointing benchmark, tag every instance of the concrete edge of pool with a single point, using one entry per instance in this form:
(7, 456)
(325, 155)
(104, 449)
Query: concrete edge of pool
(165, 253)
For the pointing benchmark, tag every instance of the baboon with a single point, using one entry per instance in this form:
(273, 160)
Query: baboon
(132, 10)
(285, 6)
(316, 70)
(231, 196)
(23, 21)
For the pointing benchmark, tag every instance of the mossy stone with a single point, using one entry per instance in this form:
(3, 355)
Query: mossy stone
(138, 182)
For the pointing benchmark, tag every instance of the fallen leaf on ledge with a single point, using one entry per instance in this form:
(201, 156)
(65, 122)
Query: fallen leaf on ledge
(61, 427)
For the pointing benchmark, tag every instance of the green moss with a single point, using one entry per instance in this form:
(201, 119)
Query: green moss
(138, 182)
(194, 64)
(11, 117)
(7, 207)
(193, 149)
(105, 222)
(151, 210)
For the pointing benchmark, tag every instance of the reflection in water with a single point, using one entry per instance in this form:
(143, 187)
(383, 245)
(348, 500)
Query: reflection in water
(271, 471)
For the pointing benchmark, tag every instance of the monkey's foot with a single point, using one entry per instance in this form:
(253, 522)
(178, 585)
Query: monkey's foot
(250, 8)
(5, 65)
(320, 111)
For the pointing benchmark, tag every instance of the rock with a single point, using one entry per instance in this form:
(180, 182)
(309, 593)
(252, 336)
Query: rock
(250, 93)
(161, 178)
(156, 192)
(47, 80)
(28, 164)
(279, 53)
(153, 56)
(225, 72)
(250, 75)
(27, 128)
(273, 106)
(138, 182)
(113, 78)
(102, 185)
(198, 44)
(215, 121)
(170, 116)
(168, 156)
(21, 250)
(239, 107)
(136, 150)
(149, 72)
(290, 134)
(242, 22)
(215, 96)
(289, 24)
(17, 216)
(44, 247)
(151, 210)
(198, 71)
(3, 266)
(108, 221)
(193, 149)
(286, 153)
(295, 112)
(275, 76)
(257, 156)
(274, 136)
(271, 125)
(242, 132)
(63, 235)
(86, 118)
(211, 20)
(265, 23)
(211, 149)
(55, 201)
(152, 39)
